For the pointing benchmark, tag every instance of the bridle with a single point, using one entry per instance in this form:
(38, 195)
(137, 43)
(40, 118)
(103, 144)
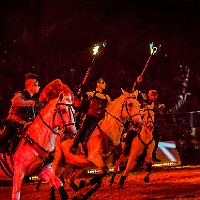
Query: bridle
(124, 105)
(57, 109)
(147, 126)
(71, 115)
(151, 121)
(45, 155)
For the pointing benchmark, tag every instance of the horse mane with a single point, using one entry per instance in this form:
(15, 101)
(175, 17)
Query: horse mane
(48, 107)
(53, 89)
(113, 104)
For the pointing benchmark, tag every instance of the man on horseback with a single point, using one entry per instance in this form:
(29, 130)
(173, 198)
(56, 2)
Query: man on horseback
(149, 98)
(21, 110)
(158, 108)
(97, 101)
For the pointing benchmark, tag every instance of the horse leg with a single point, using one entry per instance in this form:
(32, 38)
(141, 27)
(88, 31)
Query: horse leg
(96, 181)
(93, 190)
(49, 176)
(148, 162)
(75, 173)
(122, 156)
(149, 166)
(17, 182)
(38, 185)
(130, 165)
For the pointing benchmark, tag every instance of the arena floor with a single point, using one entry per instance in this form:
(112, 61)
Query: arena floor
(165, 183)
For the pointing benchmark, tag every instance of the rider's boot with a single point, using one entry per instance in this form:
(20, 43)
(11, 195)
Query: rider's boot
(129, 138)
(84, 146)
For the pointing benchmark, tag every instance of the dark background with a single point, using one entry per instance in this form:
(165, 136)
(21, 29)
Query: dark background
(53, 37)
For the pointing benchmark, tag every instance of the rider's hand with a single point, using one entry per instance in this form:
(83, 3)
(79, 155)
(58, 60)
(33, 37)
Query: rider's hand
(139, 79)
(31, 103)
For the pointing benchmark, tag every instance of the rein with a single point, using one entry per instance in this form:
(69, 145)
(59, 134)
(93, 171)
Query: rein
(57, 107)
(125, 104)
(116, 118)
(145, 124)
(39, 114)
(40, 150)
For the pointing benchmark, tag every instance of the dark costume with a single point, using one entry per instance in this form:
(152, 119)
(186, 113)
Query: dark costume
(94, 114)
(157, 107)
(144, 100)
(20, 113)
(95, 102)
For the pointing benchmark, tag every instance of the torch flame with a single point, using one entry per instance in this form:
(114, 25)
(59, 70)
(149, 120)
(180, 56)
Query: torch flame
(95, 49)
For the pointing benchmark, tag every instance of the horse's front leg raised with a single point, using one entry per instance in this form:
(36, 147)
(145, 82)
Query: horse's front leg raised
(122, 156)
(136, 150)
(17, 182)
(50, 176)
(95, 149)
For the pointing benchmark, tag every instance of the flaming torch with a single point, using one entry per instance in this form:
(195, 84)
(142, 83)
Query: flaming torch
(153, 50)
(95, 51)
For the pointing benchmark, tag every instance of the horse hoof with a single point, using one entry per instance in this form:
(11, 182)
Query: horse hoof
(81, 184)
(146, 180)
(120, 186)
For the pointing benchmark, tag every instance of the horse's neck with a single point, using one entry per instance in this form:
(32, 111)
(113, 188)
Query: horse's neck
(112, 125)
(146, 133)
(42, 135)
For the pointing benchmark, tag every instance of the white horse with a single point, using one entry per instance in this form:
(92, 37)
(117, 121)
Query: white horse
(104, 139)
(142, 142)
(33, 155)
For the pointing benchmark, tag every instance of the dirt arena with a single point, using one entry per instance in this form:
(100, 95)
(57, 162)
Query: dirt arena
(169, 183)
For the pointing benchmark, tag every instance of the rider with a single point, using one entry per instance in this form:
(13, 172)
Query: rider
(158, 108)
(149, 98)
(97, 101)
(22, 108)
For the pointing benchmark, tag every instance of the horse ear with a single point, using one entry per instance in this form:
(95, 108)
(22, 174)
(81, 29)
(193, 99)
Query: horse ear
(61, 96)
(123, 92)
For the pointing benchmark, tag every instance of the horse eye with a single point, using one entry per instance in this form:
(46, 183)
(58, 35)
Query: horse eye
(130, 104)
(63, 111)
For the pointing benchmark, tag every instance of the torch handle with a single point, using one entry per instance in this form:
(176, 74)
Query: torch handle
(143, 71)
(86, 77)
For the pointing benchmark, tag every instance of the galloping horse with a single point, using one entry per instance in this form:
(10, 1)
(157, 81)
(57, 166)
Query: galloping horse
(143, 141)
(33, 155)
(105, 138)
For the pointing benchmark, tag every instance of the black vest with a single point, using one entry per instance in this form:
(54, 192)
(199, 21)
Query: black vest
(26, 113)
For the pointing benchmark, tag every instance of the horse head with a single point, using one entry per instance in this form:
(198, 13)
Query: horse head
(63, 116)
(130, 109)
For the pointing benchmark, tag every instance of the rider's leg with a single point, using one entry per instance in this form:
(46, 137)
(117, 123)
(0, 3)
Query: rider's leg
(156, 139)
(93, 123)
(80, 134)
(129, 138)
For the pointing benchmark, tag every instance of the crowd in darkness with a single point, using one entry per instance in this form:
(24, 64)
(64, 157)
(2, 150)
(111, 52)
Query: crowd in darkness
(168, 81)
